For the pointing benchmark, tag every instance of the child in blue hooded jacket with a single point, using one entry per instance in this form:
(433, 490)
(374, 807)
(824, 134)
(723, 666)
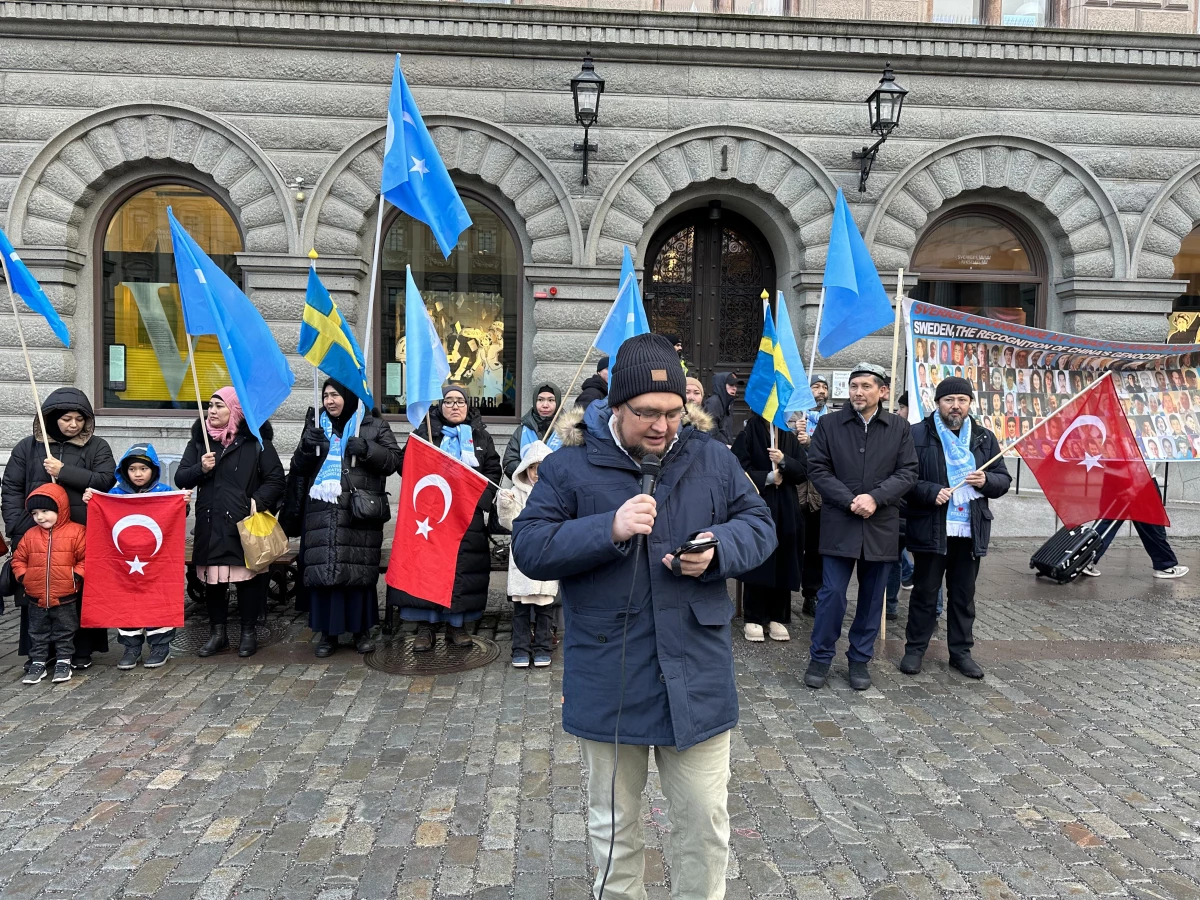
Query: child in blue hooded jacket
(139, 472)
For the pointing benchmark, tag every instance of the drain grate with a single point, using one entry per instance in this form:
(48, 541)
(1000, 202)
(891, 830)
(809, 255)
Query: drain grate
(396, 657)
(192, 636)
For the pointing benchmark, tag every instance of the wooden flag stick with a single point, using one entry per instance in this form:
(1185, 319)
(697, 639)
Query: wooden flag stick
(28, 365)
(1036, 425)
(567, 393)
(199, 399)
(896, 338)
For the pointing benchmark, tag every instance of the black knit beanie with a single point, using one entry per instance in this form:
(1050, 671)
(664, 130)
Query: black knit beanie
(646, 364)
(41, 501)
(953, 385)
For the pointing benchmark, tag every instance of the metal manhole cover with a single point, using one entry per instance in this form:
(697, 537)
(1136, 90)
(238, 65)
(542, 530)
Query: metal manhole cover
(193, 636)
(396, 657)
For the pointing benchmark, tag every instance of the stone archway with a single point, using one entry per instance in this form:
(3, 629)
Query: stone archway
(60, 184)
(1072, 204)
(347, 194)
(738, 153)
(1170, 217)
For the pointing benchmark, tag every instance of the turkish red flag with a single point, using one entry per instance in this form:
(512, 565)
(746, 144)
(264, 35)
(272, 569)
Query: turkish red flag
(438, 495)
(1088, 463)
(135, 561)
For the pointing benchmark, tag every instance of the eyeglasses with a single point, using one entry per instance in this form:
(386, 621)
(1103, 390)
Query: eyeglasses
(650, 416)
(453, 404)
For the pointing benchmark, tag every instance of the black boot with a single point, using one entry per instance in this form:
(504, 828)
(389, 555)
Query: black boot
(423, 642)
(810, 606)
(217, 641)
(326, 645)
(249, 644)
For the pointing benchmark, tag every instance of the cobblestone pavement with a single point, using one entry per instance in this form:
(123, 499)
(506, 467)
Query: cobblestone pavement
(1070, 771)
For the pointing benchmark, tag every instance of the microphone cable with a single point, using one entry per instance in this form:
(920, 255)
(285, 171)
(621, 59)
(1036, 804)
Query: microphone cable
(650, 470)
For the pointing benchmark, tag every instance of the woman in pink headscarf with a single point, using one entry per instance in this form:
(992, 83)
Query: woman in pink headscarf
(231, 472)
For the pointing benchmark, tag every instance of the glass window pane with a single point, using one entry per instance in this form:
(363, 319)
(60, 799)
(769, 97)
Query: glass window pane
(473, 298)
(1007, 301)
(956, 12)
(144, 363)
(972, 243)
(1023, 13)
(1187, 266)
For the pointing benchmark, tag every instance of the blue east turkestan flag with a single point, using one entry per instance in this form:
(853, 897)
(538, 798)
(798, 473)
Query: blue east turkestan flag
(24, 285)
(327, 342)
(855, 302)
(414, 177)
(426, 365)
(213, 304)
(626, 317)
(802, 396)
(770, 385)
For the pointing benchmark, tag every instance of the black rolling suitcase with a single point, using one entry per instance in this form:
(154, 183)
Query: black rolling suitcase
(1064, 556)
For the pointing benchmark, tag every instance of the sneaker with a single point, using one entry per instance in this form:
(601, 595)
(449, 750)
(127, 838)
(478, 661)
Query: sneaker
(778, 632)
(62, 672)
(520, 660)
(906, 585)
(859, 676)
(35, 673)
(159, 654)
(753, 632)
(911, 664)
(541, 660)
(130, 658)
(81, 662)
(816, 674)
(892, 614)
(1091, 571)
(1173, 572)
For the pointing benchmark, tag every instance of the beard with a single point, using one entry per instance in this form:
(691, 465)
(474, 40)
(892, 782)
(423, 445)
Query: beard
(953, 421)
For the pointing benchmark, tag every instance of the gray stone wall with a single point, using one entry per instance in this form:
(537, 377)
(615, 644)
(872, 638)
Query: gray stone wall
(1090, 137)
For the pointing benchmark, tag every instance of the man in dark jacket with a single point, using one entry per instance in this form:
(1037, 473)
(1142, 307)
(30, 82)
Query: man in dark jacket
(596, 387)
(949, 523)
(719, 402)
(647, 636)
(861, 462)
(534, 425)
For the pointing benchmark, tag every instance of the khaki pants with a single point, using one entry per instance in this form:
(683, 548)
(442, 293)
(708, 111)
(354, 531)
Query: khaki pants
(695, 783)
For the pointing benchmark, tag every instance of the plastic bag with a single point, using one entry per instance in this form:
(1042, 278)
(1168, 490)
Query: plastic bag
(263, 540)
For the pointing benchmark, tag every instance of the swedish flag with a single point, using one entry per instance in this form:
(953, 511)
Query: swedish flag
(327, 342)
(770, 385)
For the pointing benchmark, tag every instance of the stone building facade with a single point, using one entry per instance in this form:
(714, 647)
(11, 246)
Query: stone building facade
(721, 143)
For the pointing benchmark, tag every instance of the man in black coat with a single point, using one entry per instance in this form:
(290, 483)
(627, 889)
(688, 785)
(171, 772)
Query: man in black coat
(947, 529)
(719, 403)
(594, 388)
(861, 461)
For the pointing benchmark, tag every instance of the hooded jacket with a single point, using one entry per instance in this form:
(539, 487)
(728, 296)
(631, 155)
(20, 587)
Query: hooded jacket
(718, 405)
(594, 388)
(509, 505)
(144, 453)
(245, 471)
(680, 687)
(87, 463)
(473, 567)
(47, 561)
(533, 428)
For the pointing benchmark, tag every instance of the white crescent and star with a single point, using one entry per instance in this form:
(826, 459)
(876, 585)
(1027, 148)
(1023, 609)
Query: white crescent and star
(437, 481)
(1089, 460)
(137, 521)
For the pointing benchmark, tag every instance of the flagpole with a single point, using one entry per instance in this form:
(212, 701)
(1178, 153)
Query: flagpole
(199, 400)
(371, 303)
(567, 393)
(896, 338)
(1038, 424)
(312, 264)
(28, 365)
(812, 356)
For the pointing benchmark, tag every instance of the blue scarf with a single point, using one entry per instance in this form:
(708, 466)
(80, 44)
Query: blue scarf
(960, 462)
(459, 442)
(328, 484)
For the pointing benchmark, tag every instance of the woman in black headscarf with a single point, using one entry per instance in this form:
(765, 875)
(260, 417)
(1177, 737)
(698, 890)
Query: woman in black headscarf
(342, 536)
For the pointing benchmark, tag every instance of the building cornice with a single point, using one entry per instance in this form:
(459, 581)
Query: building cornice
(554, 32)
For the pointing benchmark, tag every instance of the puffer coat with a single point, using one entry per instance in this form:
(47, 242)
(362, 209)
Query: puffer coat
(473, 568)
(339, 550)
(245, 471)
(49, 562)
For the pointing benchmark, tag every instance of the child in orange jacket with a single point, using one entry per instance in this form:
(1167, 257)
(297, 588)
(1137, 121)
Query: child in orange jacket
(49, 564)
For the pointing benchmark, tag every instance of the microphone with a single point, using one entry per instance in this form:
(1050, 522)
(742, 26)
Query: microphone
(650, 468)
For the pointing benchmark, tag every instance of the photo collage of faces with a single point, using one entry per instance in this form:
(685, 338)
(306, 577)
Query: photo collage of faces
(1014, 388)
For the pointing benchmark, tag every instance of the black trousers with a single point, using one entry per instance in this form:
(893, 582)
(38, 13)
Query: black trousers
(763, 605)
(55, 627)
(252, 601)
(959, 567)
(811, 578)
(535, 638)
(86, 641)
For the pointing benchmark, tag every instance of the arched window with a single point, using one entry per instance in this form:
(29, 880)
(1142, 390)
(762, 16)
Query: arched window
(1187, 268)
(982, 261)
(474, 298)
(143, 355)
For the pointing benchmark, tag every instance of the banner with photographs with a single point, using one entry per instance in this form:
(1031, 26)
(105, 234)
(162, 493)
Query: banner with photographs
(1022, 374)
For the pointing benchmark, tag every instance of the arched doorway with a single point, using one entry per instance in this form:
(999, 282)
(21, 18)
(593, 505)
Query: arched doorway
(706, 270)
(983, 261)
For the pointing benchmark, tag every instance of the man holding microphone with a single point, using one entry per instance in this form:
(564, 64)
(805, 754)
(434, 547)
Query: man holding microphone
(648, 659)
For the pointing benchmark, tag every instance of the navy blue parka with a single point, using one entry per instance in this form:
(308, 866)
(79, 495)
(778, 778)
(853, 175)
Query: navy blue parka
(679, 681)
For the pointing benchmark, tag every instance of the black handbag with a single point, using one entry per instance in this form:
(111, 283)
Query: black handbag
(369, 507)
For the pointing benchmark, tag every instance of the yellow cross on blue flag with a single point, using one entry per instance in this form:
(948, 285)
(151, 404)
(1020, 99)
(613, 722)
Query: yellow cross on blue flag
(327, 342)
(771, 384)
